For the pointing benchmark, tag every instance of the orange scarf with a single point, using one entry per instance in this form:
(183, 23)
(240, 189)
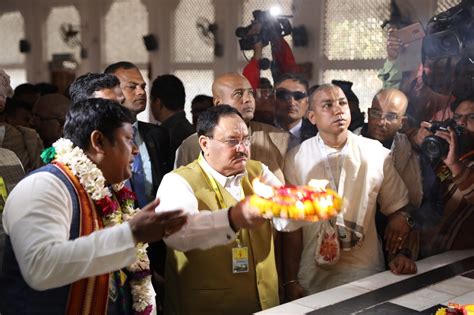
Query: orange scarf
(90, 295)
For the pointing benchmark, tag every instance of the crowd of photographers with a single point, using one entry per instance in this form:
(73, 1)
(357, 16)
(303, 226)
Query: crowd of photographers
(424, 116)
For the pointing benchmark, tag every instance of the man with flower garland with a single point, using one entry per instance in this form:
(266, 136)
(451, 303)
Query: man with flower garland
(75, 244)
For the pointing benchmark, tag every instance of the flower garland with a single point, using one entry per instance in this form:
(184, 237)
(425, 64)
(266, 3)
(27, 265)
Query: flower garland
(115, 209)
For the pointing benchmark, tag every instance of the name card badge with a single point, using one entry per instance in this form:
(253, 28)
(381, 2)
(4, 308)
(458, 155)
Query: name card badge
(240, 259)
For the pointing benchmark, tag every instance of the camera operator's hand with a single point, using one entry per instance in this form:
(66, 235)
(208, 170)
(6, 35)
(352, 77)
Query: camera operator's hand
(394, 45)
(255, 28)
(257, 50)
(422, 133)
(451, 160)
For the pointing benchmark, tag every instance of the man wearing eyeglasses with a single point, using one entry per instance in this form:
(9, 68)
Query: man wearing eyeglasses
(386, 118)
(233, 271)
(291, 105)
(49, 114)
(269, 144)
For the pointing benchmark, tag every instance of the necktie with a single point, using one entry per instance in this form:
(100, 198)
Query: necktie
(138, 176)
(293, 141)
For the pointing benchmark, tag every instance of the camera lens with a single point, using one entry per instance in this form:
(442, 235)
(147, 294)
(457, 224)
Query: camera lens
(434, 147)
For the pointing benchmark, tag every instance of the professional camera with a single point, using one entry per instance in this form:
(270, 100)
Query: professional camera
(272, 26)
(435, 147)
(449, 39)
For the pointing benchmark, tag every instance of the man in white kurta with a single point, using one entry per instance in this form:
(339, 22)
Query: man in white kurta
(362, 172)
(367, 176)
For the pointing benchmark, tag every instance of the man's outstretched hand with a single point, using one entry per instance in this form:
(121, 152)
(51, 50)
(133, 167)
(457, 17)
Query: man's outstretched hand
(243, 215)
(149, 226)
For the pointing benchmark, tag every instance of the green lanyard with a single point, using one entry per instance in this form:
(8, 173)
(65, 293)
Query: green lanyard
(217, 191)
(215, 187)
(3, 193)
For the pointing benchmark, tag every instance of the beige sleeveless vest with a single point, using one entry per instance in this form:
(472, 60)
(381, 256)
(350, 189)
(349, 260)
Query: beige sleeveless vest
(201, 281)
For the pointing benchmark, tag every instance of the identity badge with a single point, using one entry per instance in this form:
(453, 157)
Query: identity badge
(240, 259)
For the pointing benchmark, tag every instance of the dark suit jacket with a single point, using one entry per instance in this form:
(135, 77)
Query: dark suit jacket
(179, 128)
(308, 130)
(157, 143)
(158, 146)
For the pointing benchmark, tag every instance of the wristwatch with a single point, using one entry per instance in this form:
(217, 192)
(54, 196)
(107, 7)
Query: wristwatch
(408, 218)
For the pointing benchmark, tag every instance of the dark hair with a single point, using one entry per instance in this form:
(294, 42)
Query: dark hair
(12, 105)
(25, 88)
(202, 98)
(92, 114)
(170, 90)
(209, 119)
(119, 65)
(294, 77)
(264, 83)
(346, 87)
(85, 85)
(459, 100)
(46, 88)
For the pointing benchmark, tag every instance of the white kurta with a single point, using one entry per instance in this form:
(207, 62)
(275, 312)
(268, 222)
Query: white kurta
(367, 177)
(37, 218)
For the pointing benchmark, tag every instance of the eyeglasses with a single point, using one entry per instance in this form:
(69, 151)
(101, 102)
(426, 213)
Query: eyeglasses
(376, 114)
(459, 117)
(286, 95)
(233, 143)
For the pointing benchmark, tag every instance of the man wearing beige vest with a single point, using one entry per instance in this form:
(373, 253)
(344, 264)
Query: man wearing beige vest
(269, 144)
(233, 270)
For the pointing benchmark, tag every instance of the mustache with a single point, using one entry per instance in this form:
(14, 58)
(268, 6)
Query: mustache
(241, 155)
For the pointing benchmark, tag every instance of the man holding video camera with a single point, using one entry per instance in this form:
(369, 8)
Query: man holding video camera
(454, 179)
(266, 29)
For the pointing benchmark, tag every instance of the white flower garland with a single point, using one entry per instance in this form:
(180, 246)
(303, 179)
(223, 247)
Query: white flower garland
(93, 181)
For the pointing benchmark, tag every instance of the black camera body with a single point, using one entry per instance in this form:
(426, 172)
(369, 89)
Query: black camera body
(434, 147)
(271, 27)
(449, 42)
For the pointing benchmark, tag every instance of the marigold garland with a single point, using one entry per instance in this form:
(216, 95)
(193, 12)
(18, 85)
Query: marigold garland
(115, 208)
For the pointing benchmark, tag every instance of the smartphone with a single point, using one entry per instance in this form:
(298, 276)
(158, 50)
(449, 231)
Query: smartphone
(410, 33)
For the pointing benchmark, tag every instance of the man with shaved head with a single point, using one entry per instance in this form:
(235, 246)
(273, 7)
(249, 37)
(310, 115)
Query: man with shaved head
(362, 172)
(269, 144)
(386, 118)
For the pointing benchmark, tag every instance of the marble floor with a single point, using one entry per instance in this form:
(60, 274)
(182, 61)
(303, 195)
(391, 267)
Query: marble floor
(444, 278)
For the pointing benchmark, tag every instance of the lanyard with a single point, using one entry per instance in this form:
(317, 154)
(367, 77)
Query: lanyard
(327, 168)
(217, 191)
(215, 187)
(3, 193)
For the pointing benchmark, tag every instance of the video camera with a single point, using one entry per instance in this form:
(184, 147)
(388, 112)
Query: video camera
(450, 39)
(434, 147)
(272, 26)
